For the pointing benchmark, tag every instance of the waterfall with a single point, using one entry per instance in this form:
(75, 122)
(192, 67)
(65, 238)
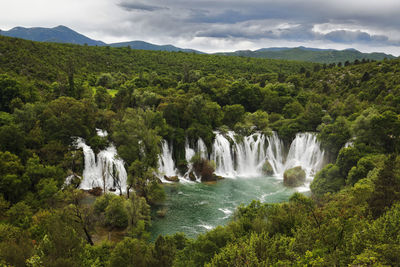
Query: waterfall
(107, 171)
(166, 165)
(202, 148)
(305, 151)
(274, 153)
(189, 152)
(222, 155)
(239, 158)
(236, 156)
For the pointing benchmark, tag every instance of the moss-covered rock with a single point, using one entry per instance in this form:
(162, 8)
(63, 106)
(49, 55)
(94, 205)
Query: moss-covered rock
(267, 168)
(294, 177)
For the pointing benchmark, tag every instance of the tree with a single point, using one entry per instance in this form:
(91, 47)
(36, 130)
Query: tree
(15, 245)
(387, 187)
(327, 180)
(313, 115)
(136, 138)
(9, 90)
(333, 136)
(233, 114)
(20, 215)
(293, 110)
(131, 252)
(13, 184)
(102, 98)
(12, 139)
(116, 214)
(66, 117)
(82, 215)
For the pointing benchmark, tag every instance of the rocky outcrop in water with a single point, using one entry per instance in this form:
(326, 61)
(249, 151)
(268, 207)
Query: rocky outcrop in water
(294, 177)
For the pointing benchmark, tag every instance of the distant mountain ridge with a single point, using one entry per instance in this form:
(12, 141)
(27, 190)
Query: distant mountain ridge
(148, 46)
(59, 34)
(316, 55)
(63, 34)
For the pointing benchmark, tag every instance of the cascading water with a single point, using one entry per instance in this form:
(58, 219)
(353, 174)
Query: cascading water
(304, 151)
(222, 155)
(245, 156)
(274, 153)
(202, 148)
(107, 172)
(166, 165)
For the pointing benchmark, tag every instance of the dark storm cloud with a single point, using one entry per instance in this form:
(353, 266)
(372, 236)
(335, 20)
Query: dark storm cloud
(292, 20)
(139, 6)
(356, 36)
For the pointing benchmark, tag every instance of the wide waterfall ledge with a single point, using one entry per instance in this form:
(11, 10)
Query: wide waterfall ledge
(234, 157)
(245, 157)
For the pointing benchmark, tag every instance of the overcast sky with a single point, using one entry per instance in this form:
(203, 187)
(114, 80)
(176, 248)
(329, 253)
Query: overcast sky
(220, 25)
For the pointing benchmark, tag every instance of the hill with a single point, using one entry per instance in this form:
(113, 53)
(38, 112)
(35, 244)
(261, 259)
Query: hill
(46, 61)
(310, 54)
(149, 46)
(63, 34)
(59, 34)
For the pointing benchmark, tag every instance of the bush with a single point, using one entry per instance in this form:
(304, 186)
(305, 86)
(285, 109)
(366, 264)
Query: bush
(327, 180)
(116, 214)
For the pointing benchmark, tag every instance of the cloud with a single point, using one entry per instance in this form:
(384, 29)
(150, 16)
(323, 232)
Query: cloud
(342, 36)
(139, 6)
(219, 25)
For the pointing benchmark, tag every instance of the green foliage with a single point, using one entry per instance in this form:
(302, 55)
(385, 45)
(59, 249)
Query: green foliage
(10, 89)
(136, 136)
(334, 135)
(20, 215)
(378, 242)
(116, 214)
(329, 179)
(13, 184)
(293, 110)
(387, 187)
(131, 252)
(66, 117)
(15, 245)
(364, 166)
(155, 193)
(233, 114)
(347, 158)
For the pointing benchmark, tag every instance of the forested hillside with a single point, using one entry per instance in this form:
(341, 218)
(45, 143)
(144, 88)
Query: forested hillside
(53, 93)
(326, 56)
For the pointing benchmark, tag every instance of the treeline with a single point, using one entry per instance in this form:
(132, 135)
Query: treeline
(53, 93)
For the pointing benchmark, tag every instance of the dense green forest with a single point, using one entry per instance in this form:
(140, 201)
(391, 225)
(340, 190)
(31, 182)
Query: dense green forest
(53, 93)
(327, 56)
